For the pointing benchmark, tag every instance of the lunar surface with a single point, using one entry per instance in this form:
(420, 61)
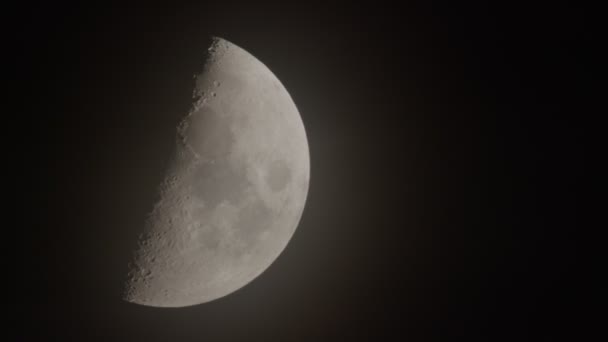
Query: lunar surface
(235, 189)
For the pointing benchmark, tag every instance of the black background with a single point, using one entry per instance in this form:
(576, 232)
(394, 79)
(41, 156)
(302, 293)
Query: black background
(446, 166)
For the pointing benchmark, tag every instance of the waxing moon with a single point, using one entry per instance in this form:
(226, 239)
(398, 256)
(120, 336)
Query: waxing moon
(234, 192)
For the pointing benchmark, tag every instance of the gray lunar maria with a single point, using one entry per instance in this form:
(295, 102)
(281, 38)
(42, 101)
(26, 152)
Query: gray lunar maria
(234, 192)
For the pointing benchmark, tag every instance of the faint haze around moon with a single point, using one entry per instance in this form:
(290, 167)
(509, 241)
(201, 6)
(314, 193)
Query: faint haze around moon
(234, 191)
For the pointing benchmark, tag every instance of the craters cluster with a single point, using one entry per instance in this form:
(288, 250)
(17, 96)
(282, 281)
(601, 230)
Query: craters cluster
(139, 276)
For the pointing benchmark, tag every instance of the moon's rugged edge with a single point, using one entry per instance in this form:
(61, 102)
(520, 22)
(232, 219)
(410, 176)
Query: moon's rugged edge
(234, 192)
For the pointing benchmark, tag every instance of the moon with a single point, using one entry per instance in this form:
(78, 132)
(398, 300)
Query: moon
(234, 191)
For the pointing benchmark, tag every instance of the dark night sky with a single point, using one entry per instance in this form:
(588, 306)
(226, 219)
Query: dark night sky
(446, 161)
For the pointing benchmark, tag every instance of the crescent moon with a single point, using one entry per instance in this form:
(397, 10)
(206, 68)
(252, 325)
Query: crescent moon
(234, 192)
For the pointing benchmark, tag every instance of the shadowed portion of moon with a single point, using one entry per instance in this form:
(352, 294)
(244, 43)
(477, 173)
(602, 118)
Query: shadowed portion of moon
(234, 191)
(219, 181)
(278, 175)
(254, 219)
